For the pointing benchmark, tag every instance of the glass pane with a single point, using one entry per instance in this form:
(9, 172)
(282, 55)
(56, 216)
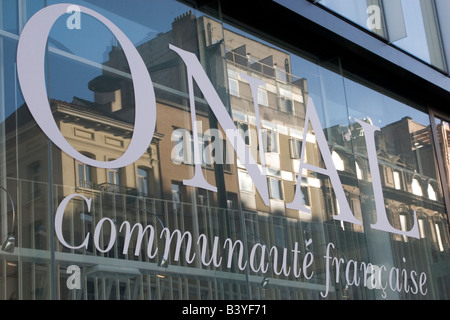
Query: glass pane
(423, 38)
(411, 25)
(413, 200)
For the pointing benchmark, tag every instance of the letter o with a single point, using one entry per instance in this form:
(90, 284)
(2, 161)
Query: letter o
(59, 220)
(31, 51)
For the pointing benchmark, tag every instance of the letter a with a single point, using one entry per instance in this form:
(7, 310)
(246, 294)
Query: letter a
(330, 169)
(374, 19)
(74, 281)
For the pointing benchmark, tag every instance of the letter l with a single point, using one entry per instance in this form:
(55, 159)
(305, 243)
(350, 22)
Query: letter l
(382, 219)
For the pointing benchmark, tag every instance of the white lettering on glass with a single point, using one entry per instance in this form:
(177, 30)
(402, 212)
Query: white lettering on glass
(257, 258)
(59, 220)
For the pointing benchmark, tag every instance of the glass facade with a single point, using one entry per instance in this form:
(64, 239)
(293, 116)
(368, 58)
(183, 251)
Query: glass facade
(415, 26)
(175, 156)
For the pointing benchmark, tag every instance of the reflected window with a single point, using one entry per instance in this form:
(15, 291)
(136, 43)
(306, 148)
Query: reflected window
(286, 105)
(281, 74)
(439, 237)
(403, 226)
(143, 182)
(359, 173)
(176, 196)
(205, 149)
(262, 97)
(432, 195)
(234, 87)
(227, 155)
(114, 179)
(421, 228)
(285, 101)
(416, 187)
(34, 174)
(245, 182)
(270, 140)
(305, 191)
(275, 188)
(202, 197)
(279, 235)
(306, 198)
(397, 182)
(232, 200)
(86, 174)
(243, 131)
(295, 147)
(337, 160)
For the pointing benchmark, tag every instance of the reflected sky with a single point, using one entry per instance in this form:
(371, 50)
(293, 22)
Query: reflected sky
(382, 110)
(93, 38)
(416, 40)
(353, 10)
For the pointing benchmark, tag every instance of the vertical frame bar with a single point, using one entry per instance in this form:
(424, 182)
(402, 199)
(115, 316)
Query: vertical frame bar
(441, 165)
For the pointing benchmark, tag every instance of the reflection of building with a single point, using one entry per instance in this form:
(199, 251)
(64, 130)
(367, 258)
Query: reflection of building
(282, 103)
(282, 112)
(151, 191)
(404, 162)
(96, 134)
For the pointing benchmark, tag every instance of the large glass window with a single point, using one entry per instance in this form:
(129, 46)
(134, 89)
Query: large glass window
(229, 196)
